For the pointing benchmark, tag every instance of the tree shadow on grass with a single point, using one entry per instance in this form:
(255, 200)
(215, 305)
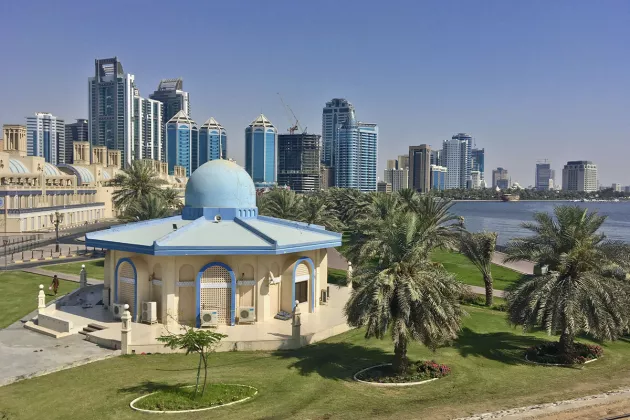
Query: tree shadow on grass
(148, 387)
(339, 361)
(500, 346)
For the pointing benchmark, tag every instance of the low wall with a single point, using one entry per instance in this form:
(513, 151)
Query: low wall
(53, 323)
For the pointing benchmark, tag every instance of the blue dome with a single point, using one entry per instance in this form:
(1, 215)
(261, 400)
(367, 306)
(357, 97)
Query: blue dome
(220, 183)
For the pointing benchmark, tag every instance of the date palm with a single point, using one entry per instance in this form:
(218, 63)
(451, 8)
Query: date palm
(281, 203)
(398, 291)
(134, 182)
(314, 210)
(171, 198)
(586, 290)
(146, 208)
(479, 248)
(409, 198)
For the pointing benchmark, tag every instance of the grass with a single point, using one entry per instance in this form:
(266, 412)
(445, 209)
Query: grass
(488, 373)
(19, 289)
(95, 268)
(338, 277)
(173, 398)
(467, 273)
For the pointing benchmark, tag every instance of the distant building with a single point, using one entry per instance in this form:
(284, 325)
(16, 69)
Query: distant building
(261, 151)
(368, 155)
(299, 161)
(419, 165)
(457, 157)
(475, 180)
(403, 161)
(478, 157)
(170, 93)
(336, 113)
(436, 157)
(77, 131)
(392, 164)
(147, 129)
(438, 177)
(326, 177)
(500, 178)
(617, 187)
(111, 93)
(626, 189)
(383, 187)
(14, 139)
(182, 143)
(46, 137)
(212, 141)
(544, 176)
(398, 178)
(579, 175)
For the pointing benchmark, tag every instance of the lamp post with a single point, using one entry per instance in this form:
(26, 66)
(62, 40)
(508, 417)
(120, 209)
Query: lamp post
(56, 219)
(5, 242)
(85, 237)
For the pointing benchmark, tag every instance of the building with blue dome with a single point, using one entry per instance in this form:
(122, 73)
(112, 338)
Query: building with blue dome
(220, 262)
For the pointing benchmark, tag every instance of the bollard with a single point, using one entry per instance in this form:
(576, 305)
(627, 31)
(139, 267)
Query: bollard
(51, 252)
(41, 300)
(125, 331)
(83, 277)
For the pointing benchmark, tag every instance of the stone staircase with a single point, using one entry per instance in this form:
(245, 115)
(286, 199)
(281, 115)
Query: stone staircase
(91, 328)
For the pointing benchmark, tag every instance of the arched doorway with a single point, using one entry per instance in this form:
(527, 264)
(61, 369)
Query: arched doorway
(304, 283)
(217, 291)
(126, 278)
(186, 292)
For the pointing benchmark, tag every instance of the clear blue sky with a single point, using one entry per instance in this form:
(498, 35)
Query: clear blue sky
(528, 79)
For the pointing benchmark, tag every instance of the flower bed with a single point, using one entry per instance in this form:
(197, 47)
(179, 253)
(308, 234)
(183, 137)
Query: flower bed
(549, 353)
(182, 399)
(418, 372)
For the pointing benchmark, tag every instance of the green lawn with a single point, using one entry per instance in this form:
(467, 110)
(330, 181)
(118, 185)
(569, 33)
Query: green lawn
(467, 273)
(338, 277)
(18, 295)
(95, 268)
(488, 373)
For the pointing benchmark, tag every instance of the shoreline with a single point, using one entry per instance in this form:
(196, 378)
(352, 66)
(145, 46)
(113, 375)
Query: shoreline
(538, 201)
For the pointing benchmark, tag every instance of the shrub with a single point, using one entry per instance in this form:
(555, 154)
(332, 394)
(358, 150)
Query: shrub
(418, 371)
(550, 353)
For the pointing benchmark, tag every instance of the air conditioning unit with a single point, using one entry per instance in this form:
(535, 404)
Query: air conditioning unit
(209, 318)
(324, 297)
(119, 308)
(149, 312)
(246, 314)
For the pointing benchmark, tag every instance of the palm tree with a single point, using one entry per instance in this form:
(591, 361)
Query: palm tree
(399, 291)
(171, 198)
(315, 210)
(586, 289)
(479, 248)
(443, 228)
(280, 203)
(146, 208)
(134, 182)
(409, 198)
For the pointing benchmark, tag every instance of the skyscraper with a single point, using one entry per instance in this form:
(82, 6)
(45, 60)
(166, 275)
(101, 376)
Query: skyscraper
(579, 175)
(403, 161)
(45, 137)
(171, 93)
(368, 152)
(419, 168)
(182, 143)
(392, 164)
(544, 176)
(478, 162)
(398, 178)
(346, 170)
(212, 141)
(438, 177)
(261, 151)
(148, 129)
(500, 178)
(335, 114)
(77, 131)
(299, 161)
(436, 157)
(457, 157)
(111, 94)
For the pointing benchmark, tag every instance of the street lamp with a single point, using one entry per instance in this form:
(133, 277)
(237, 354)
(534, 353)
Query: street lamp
(56, 219)
(5, 242)
(85, 237)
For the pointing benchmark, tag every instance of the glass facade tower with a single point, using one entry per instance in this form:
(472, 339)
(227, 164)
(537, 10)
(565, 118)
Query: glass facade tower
(335, 114)
(212, 141)
(261, 153)
(182, 143)
(45, 137)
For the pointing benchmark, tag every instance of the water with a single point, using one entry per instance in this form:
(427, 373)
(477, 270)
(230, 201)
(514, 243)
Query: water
(505, 218)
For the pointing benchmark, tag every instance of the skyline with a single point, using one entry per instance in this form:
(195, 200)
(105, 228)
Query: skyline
(527, 81)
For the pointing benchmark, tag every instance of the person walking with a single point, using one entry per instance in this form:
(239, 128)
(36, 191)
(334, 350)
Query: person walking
(55, 284)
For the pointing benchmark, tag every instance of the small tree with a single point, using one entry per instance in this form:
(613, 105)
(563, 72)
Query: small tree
(202, 342)
(479, 248)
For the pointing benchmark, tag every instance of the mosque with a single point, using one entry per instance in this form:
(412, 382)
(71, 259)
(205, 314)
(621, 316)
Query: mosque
(219, 263)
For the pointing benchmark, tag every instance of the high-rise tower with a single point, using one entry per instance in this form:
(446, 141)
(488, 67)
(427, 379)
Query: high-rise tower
(419, 168)
(77, 131)
(261, 152)
(148, 129)
(335, 114)
(182, 143)
(45, 137)
(298, 161)
(212, 141)
(111, 93)
(457, 158)
(171, 93)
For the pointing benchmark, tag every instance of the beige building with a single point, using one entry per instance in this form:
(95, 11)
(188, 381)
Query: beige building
(219, 263)
(31, 190)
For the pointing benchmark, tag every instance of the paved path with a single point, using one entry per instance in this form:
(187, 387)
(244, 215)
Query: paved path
(62, 276)
(523, 267)
(27, 354)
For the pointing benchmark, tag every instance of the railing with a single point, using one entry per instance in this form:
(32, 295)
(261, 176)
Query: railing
(51, 208)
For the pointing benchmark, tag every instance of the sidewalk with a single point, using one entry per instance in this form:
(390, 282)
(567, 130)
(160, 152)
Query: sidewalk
(523, 267)
(62, 276)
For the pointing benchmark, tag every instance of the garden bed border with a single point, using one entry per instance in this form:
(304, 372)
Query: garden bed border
(355, 377)
(560, 364)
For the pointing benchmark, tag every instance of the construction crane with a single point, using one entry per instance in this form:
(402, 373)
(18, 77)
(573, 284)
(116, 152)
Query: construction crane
(294, 125)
